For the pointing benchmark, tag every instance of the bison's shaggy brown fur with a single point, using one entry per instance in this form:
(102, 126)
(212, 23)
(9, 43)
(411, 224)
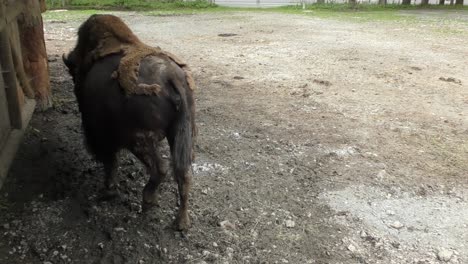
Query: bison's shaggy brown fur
(103, 35)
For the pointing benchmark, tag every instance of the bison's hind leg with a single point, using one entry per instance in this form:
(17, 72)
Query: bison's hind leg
(147, 149)
(183, 176)
(110, 169)
(183, 179)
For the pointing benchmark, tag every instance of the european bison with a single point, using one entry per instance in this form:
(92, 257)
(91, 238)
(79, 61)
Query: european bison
(132, 96)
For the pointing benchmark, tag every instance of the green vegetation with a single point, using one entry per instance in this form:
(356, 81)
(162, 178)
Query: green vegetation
(349, 12)
(130, 4)
(376, 7)
(70, 15)
(204, 4)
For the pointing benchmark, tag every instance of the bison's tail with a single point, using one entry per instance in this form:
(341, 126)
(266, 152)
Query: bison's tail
(182, 138)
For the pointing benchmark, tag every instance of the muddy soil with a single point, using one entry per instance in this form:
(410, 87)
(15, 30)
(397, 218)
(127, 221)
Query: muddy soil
(320, 141)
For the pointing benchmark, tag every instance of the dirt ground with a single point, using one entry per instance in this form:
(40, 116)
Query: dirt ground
(320, 141)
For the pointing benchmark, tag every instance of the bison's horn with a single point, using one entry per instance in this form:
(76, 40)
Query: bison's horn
(64, 58)
(67, 61)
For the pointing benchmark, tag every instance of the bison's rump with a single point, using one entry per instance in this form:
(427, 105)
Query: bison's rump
(111, 117)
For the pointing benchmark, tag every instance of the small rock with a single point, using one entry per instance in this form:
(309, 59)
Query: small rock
(351, 248)
(132, 175)
(55, 253)
(6, 226)
(381, 175)
(215, 244)
(254, 234)
(444, 254)
(397, 225)
(230, 252)
(46, 262)
(363, 234)
(450, 79)
(227, 35)
(101, 245)
(390, 212)
(395, 244)
(236, 135)
(165, 250)
(227, 225)
(322, 82)
(290, 223)
(205, 253)
(204, 191)
(119, 229)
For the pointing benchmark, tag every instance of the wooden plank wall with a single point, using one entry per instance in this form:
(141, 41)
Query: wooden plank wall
(9, 77)
(24, 73)
(5, 125)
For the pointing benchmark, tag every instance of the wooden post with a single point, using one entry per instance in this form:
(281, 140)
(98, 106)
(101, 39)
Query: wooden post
(43, 6)
(35, 55)
(9, 77)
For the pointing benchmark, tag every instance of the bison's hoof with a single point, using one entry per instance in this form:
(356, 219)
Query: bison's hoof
(183, 223)
(145, 206)
(149, 200)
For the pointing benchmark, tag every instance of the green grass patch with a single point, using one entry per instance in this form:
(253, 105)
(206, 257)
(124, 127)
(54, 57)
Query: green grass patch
(446, 31)
(130, 4)
(70, 15)
(376, 7)
(367, 12)
(345, 12)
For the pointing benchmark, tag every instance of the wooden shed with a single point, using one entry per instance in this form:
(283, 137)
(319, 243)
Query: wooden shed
(24, 78)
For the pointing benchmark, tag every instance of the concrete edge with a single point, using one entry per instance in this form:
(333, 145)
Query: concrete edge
(8, 153)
